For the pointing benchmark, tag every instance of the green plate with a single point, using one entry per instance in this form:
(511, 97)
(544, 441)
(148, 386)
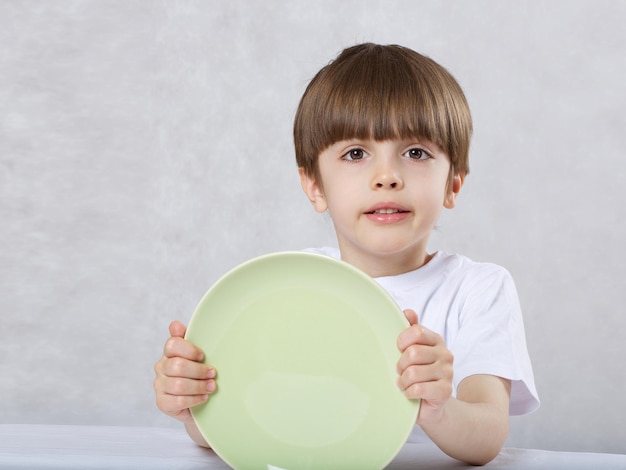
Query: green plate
(305, 351)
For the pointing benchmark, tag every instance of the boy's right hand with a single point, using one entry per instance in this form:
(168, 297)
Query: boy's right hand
(182, 380)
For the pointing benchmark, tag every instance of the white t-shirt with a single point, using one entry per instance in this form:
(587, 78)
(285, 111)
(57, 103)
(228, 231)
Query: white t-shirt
(475, 308)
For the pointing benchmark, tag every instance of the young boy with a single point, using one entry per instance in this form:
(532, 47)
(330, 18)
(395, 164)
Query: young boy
(382, 139)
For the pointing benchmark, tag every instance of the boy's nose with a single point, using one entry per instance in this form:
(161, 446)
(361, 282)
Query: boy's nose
(387, 178)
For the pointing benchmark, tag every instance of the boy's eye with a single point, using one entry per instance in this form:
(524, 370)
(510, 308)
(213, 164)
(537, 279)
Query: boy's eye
(417, 154)
(354, 154)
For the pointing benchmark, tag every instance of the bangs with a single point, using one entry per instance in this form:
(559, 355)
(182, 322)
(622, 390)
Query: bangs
(377, 104)
(381, 93)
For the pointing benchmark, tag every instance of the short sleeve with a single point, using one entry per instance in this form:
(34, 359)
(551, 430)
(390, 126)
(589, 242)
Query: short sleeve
(491, 338)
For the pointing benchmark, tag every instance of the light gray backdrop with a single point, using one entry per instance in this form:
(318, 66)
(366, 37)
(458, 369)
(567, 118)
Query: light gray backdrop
(145, 149)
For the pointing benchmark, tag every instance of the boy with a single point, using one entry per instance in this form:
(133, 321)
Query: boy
(382, 140)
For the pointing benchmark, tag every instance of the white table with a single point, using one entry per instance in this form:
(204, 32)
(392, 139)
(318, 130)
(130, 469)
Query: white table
(106, 447)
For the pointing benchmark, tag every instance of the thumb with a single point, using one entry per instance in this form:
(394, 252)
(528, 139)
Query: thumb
(177, 329)
(411, 316)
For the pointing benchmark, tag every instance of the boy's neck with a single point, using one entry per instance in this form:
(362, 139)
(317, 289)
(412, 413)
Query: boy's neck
(387, 264)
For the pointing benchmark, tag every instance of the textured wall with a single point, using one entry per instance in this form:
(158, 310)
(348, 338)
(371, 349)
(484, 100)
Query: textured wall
(145, 148)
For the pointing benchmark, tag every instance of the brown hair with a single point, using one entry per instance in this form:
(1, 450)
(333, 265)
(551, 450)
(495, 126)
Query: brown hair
(382, 92)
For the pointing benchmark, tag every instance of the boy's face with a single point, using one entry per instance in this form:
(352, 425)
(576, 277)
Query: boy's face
(384, 198)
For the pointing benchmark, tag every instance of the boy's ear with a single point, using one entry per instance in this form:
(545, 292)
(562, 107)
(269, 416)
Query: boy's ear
(454, 186)
(313, 191)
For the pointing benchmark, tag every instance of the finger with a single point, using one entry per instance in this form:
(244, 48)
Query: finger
(177, 329)
(417, 334)
(179, 347)
(422, 373)
(178, 406)
(435, 392)
(411, 316)
(412, 389)
(415, 390)
(181, 367)
(180, 386)
(416, 355)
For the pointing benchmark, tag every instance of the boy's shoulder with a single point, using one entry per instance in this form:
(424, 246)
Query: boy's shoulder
(458, 262)
(465, 270)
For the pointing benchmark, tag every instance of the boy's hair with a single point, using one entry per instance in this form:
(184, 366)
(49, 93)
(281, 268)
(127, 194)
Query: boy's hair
(382, 92)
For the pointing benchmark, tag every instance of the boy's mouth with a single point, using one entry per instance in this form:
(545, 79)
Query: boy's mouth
(386, 211)
(386, 208)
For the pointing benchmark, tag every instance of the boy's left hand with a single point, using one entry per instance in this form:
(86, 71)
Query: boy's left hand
(424, 368)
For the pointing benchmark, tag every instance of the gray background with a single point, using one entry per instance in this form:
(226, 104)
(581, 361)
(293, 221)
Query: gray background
(145, 149)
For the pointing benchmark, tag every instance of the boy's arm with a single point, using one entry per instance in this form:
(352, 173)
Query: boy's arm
(471, 427)
(195, 435)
